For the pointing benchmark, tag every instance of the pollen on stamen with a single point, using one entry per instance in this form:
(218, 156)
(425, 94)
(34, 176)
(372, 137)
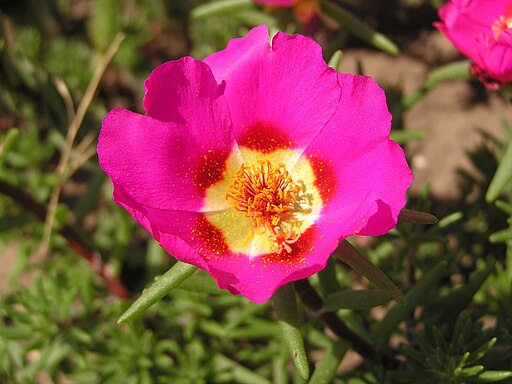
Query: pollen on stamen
(265, 194)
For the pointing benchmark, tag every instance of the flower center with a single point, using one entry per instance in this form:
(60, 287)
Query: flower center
(267, 195)
(503, 24)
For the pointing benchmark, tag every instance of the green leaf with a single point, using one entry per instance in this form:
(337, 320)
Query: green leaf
(359, 28)
(403, 136)
(502, 176)
(447, 308)
(326, 368)
(355, 299)
(202, 282)
(504, 206)
(399, 313)
(240, 373)
(418, 217)
(347, 253)
(285, 306)
(327, 280)
(494, 376)
(453, 71)
(501, 236)
(478, 353)
(470, 371)
(221, 7)
(162, 286)
(450, 220)
(335, 60)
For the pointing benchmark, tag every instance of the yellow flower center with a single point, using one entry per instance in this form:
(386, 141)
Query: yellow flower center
(264, 202)
(266, 195)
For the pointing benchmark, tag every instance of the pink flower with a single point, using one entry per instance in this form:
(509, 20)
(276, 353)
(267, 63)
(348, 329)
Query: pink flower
(254, 163)
(481, 30)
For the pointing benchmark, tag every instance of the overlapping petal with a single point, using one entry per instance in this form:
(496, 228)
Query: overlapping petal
(280, 95)
(168, 159)
(480, 29)
(362, 174)
(190, 238)
(495, 57)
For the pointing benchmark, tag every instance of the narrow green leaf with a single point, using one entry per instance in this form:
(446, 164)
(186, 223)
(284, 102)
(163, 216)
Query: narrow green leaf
(221, 7)
(502, 176)
(202, 282)
(285, 306)
(471, 371)
(355, 299)
(347, 253)
(504, 206)
(160, 287)
(418, 217)
(327, 280)
(450, 220)
(240, 373)
(478, 353)
(244, 314)
(359, 28)
(404, 136)
(453, 71)
(335, 60)
(326, 368)
(447, 308)
(501, 236)
(494, 376)
(399, 313)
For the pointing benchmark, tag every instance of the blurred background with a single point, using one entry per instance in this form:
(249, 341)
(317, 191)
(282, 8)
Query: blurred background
(67, 252)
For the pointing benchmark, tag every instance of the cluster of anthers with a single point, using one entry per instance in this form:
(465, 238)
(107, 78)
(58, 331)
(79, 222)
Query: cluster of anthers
(266, 195)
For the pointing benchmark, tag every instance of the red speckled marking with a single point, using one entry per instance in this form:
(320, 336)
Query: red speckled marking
(265, 138)
(210, 237)
(300, 249)
(211, 168)
(325, 177)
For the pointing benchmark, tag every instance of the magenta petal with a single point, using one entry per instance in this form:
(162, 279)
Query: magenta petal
(369, 172)
(171, 229)
(386, 180)
(494, 59)
(282, 94)
(163, 165)
(478, 28)
(467, 18)
(183, 91)
(187, 237)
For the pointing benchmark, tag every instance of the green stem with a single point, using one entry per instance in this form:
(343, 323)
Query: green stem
(288, 318)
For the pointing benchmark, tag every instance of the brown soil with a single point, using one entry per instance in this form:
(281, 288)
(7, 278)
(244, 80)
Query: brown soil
(451, 115)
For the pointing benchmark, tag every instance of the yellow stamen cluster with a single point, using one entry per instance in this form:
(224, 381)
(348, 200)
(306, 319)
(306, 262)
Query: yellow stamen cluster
(266, 194)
